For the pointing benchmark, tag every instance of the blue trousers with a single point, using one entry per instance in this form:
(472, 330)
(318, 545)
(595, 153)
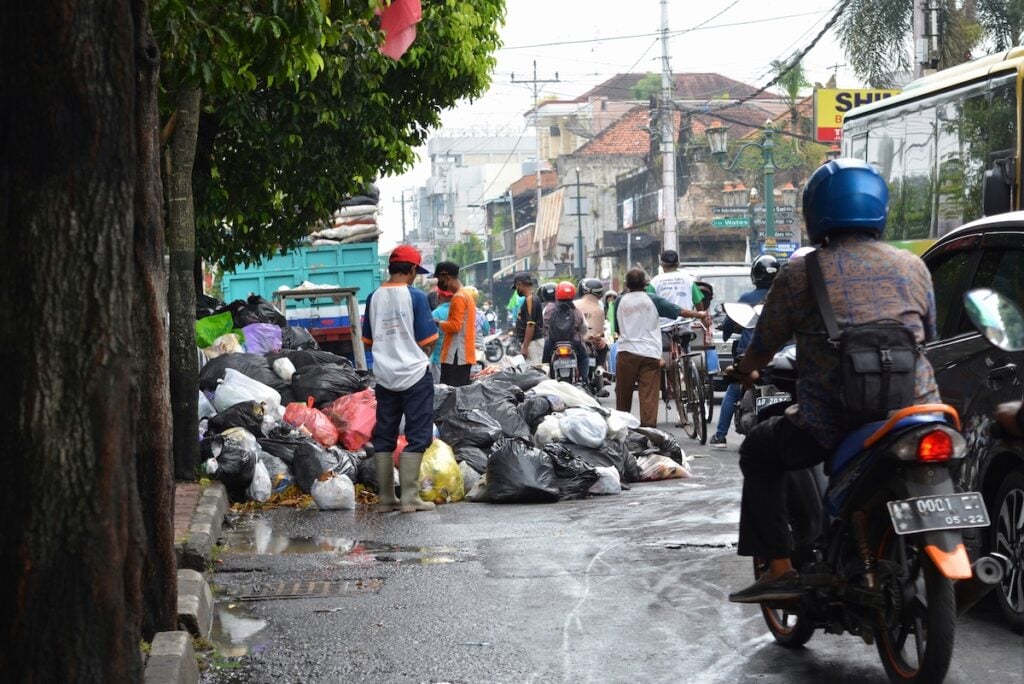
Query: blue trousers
(732, 395)
(417, 405)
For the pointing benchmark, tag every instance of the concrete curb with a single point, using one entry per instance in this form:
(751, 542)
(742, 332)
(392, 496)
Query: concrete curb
(171, 660)
(195, 603)
(195, 552)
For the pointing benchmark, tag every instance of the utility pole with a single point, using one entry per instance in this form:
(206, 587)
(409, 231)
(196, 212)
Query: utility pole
(668, 184)
(580, 263)
(535, 82)
(926, 37)
(402, 201)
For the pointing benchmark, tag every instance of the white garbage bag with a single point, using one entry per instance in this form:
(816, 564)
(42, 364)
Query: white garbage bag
(609, 482)
(259, 489)
(206, 409)
(549, 430)
(619, 423)
(237, 387)
(570, 394)
(284, 368)
(584, 427)
(334, 492)
(660, 467)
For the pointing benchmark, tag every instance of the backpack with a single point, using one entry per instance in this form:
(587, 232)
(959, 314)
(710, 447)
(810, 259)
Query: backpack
(562, 326)
(877, 360)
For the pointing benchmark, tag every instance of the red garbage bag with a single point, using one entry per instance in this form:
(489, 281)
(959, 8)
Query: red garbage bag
(399, 448)
(354, 415)
(313, 420)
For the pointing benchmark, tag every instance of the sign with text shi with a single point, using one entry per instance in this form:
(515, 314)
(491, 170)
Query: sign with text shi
(830, 104)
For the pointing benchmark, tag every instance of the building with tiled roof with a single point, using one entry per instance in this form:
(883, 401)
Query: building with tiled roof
(690, 86)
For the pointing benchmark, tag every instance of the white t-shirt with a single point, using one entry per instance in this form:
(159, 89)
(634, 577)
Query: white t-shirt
(676, 287)
(637, 317)
(397, 323)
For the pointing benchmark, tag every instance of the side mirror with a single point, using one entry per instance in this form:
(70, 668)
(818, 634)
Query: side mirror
(997, 317)
(996, 185)
(742, 315)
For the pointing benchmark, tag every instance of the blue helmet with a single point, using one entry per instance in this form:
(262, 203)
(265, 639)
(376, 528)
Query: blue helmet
(845, 196)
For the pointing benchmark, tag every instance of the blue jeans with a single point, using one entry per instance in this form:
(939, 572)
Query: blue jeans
(416, 404)
(732, 395)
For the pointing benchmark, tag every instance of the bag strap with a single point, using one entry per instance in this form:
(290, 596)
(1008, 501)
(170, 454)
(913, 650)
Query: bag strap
(817, 283)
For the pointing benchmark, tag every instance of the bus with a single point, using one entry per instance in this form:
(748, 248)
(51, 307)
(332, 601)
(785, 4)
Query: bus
(949, 146)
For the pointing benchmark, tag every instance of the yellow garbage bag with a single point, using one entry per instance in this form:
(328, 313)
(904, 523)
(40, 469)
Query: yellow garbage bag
(440, 477)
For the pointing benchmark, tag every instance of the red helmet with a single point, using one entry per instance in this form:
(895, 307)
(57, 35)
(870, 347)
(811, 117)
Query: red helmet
(565, 291)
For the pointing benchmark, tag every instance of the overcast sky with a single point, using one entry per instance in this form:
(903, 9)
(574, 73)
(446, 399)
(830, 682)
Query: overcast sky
(589, 41)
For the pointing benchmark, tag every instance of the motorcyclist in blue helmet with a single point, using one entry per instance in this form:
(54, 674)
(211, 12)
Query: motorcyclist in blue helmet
(845, 206)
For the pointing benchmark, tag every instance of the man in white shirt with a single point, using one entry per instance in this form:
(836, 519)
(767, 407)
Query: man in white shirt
(678, 287)
(399, 328)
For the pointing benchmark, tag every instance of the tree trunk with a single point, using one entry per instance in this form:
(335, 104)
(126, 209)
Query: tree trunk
(71, 543)
(151, 392)
(181, 242)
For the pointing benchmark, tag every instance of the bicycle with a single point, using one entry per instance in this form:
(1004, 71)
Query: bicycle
(709, 382)
(685, 380)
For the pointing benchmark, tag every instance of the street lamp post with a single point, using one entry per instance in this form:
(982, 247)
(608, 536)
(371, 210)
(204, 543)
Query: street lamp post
(580, 264)
(718, 141)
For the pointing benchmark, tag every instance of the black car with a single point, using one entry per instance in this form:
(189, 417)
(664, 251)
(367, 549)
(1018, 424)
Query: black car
(974, 377)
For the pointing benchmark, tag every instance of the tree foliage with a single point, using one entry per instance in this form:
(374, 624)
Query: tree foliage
(647, 87)
(469, 251)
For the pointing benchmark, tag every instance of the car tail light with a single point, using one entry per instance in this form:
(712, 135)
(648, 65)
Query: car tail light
(935, 446)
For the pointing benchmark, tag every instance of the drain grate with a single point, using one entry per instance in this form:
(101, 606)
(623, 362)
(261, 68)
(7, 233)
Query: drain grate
(289, 590)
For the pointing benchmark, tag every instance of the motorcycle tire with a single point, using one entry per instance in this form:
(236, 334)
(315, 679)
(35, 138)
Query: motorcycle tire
(784, 619)
(918, 647)
(493, 352)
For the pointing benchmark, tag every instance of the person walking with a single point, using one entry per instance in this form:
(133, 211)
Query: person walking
(458, 353)
(399, 329)
(678, 287)
(762, 273)
(638, 362)
(529, 327)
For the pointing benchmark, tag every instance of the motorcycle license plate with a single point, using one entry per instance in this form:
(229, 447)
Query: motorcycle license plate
(592, 362)
(942, 512)
(765, 402)
(564, 363)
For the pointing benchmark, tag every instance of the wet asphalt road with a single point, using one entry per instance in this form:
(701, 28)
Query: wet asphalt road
(613, 589)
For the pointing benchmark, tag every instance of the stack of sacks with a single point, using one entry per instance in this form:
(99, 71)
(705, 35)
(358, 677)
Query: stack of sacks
(355, 221)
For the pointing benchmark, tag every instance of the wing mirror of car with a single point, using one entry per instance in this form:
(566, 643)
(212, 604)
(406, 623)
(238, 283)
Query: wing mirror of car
(742, 315)
(997, 317)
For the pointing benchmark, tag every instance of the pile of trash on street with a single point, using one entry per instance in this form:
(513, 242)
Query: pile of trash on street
(281, 419)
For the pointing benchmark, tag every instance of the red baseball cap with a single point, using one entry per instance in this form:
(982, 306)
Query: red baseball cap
(408, 254)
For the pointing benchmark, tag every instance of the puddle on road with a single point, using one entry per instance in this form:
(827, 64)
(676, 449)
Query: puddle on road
(255, 536)
(235, 632)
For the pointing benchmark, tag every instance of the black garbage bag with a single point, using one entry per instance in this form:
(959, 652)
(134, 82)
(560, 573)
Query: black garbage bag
(523, 378)
(207, 305)
(306, 467)
(366, 473)
(241, 314)
(348, 463)
(444, 402)
(359, 201)
(473, 396)
(611, 453)
(295, 337)
(247, 414)
(303, 358)
(663, 442)
(276, 468)
(265, 311)
(235, 464)
(254, 366)
(573, 476)
(470, 428)
(519, 473)
(506, 412)
(327, 382)
(533, 410)
(475, 457)
(637, 444)
(283, 441)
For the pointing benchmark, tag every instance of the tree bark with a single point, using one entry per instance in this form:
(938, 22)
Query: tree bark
(181, 243)
(153, 458)
(72, 539)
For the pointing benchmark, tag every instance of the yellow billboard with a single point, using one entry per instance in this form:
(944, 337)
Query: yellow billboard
(830, 104)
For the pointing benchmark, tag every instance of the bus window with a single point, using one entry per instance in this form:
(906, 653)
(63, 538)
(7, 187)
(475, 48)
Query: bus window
(859, 147)
(915, 222)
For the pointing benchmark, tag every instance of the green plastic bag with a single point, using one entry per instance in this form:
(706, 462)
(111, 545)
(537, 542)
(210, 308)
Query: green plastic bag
(210, 328)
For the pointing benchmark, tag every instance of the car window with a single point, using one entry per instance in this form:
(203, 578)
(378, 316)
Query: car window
(948, 276)
(1001, 270)
(728, 288)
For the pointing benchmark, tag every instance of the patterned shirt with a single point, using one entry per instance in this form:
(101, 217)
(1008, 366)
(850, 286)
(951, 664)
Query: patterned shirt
(867, 280)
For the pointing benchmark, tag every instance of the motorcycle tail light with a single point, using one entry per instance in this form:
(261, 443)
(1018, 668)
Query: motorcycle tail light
(935, 446)
(564, 351)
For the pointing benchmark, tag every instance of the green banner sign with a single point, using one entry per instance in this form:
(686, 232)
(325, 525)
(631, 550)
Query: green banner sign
(731, 222)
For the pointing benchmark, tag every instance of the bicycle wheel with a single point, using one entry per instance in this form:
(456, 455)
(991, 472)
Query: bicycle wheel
(677, 390)
(695, 387)
(709, 388)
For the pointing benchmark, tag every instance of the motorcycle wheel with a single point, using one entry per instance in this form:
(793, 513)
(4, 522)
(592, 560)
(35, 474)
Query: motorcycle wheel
(493, 352)
(785, 619)
(918, 644)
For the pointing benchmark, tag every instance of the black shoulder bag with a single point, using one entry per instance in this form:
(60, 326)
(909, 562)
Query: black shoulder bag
(877, 359)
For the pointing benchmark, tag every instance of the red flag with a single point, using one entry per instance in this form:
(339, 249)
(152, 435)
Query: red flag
(398, 22)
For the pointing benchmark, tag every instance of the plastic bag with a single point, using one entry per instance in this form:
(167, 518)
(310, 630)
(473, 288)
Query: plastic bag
(236, 464)
(533, 410)
(506, 412)
(319, 425)
(327, 382)
(247, 414)
(210, 328)
(658, 467)
(469, 476)
(518, 473)
(570, 394)
(354, 415)
(283, 441)
(440, 477)
(661, 442)
(243, 437)
(284, 368)
(205, 407)
(583, 427)
(525, 378)
(470, 428)
(549, 430)
(276, 468)
(478, 492)
(307, 467)
(610, 453)
(334, 492)
(261, 338)
(573, 476)
(474, 457)
(237, 388)
(265, 311)
(366, 474)
(294, 337)
(260, 487)
(473, 396)
(250, 365)
(229, 343)
(309, 357)
(619, 423)
(608, 482)
(348, 463)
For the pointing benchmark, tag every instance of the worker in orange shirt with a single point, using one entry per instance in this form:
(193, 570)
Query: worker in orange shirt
(458, 353)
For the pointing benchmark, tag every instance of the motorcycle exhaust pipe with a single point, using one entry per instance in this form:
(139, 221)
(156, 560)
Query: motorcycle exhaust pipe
(986, 573)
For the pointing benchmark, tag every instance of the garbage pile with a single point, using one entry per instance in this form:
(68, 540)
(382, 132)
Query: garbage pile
(276, 413)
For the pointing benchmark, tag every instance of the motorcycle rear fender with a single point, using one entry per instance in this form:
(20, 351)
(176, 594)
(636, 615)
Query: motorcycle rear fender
(944, 547)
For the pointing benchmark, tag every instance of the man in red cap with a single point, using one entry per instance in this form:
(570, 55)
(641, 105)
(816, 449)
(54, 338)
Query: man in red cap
(399, 329)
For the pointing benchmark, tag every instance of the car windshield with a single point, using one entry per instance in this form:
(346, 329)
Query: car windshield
(728, 288)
